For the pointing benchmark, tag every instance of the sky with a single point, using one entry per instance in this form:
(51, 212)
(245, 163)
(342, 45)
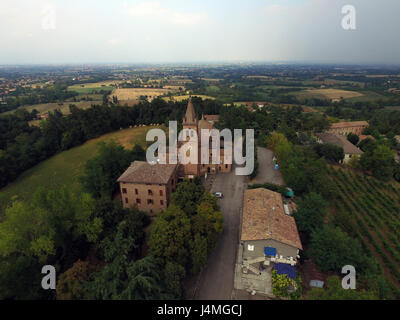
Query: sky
(173, 31)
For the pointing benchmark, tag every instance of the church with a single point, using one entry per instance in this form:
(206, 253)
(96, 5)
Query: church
(192, 127)
(149, 186)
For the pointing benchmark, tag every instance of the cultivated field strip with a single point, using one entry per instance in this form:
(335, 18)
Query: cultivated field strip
(369, 210)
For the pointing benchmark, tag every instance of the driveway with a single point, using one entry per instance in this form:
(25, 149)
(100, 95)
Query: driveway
(216, 282)
(266, 171)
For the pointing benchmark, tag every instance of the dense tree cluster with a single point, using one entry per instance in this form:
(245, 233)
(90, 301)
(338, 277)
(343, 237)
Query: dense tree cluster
(23, 96)
(55, 228)
(102, 171)
(304, 171)
(184, 235)
(23, 146)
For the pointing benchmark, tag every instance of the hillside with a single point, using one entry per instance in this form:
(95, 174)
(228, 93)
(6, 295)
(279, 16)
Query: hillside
(65, 167)
(369, 210)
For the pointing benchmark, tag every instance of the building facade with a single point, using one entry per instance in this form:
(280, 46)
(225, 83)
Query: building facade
(344, 128)
(148, 187)
(192, 127)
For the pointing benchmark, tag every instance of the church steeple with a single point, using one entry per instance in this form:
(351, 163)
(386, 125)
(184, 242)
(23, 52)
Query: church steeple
(190, 116)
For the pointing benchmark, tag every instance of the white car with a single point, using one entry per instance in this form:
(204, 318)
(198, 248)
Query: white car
(219, 195)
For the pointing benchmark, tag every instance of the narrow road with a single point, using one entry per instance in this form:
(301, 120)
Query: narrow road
(266, 171)
(216, 281)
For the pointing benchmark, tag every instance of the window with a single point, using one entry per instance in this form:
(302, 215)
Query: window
(123, 190)
(162, 202)
(161, 193)
(136, 191)
(126, 200)
(138, 201)
(149, 201)
(250, 247)
(150, 192)
(226, 166)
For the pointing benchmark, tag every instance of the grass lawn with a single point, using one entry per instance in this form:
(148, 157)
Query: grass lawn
(64, 168)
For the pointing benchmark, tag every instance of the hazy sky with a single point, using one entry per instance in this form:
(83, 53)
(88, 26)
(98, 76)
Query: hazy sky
(132, 31)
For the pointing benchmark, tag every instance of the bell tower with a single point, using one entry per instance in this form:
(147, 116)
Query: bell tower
(192, 144)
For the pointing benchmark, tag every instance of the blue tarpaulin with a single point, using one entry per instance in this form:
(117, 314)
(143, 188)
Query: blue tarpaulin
(283, 268)
(268, 251)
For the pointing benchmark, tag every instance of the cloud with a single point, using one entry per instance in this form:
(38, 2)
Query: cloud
(154, 10)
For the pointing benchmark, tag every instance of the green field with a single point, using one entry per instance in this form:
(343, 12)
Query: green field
(90, 88)
(63, 107)
(64, 168)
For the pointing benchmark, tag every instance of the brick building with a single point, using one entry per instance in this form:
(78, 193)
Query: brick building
(344, 128)
(149, 187)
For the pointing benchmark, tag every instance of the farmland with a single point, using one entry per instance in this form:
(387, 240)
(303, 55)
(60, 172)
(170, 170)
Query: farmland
(136, 93)
(369, 210)
(89, 88)
(328, 94)
(185, 97)
(63, 107)
(64, 168)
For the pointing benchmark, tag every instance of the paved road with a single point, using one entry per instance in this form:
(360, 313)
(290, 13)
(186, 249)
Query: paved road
(216, 281)
(266, 172)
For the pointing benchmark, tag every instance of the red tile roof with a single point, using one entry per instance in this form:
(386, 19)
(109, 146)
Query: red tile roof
(340, 141)
(349, 124)
(264, 218)
(142, 172)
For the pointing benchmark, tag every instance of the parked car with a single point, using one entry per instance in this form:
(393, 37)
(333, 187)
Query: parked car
(219, 195)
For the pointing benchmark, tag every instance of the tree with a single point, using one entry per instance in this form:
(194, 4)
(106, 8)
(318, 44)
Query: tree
(174, 274)
(102, 172)
(127, 239)
(70, 285)
(331, 249)
(125, 280)
(335, 291)
(354, 162)
(38, 229)
(353, 138)
(330, 151)
(170, 236)
(380, 161)
(209, 221)
(198, 253)
(283, 286)
(19, 278)
(396, 174)
(187, 196)
(367, 145)
(310, 214)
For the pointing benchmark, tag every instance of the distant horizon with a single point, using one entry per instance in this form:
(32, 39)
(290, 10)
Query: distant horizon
(216, 63)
